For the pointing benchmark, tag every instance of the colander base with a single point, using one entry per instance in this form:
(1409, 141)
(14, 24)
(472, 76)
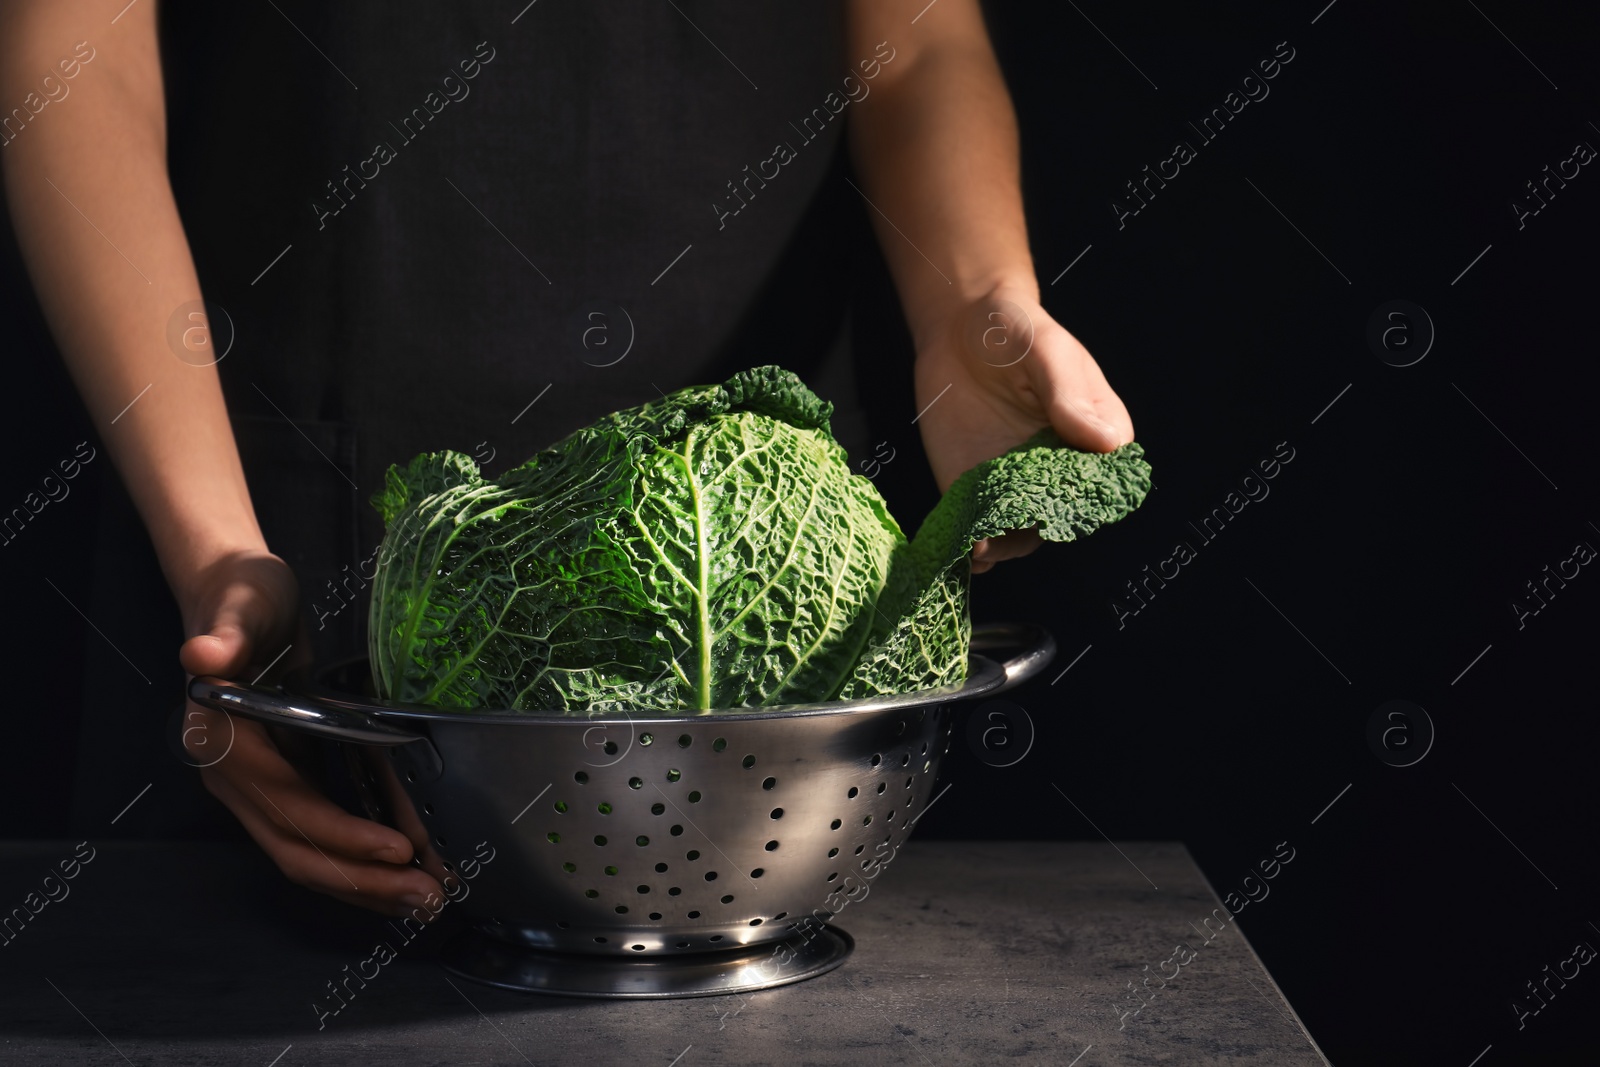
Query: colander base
(474, 955)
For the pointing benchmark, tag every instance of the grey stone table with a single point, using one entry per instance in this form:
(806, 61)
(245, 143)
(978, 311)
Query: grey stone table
(966, 953)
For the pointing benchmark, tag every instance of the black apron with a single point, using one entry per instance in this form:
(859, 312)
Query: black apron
(468, 226)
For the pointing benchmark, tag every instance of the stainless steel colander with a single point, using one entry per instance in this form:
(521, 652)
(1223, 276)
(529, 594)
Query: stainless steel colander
(645, 855)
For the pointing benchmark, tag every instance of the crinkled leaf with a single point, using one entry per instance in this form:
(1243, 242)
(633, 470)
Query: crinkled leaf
(708, 550)
(711, 549)
(923, 628)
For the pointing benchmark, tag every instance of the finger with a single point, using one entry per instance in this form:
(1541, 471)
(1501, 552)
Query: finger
(229, 634)
(256, 770)
(992, 550)
(1081, 405)
(390, 888)
(1089, 427)
(233, 628)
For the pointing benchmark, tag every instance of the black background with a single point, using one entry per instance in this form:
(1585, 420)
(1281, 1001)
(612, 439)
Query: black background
(1233, 708)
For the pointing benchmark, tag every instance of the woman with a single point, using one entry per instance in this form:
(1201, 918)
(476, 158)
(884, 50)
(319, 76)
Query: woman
(415, 219)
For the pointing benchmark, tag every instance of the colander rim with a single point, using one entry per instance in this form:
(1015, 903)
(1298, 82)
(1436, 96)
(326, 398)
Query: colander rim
(984, 675)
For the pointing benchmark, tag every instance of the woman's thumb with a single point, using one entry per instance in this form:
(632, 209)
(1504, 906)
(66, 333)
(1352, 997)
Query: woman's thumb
(222, 650)
(1078, 424)
(228, 632)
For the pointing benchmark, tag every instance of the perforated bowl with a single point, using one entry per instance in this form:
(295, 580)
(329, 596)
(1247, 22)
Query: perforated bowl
(644, 855)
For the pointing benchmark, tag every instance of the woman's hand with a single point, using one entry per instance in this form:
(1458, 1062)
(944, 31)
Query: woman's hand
(996, 371)
(240, 615)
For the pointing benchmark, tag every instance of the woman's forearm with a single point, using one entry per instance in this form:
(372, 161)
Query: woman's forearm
(89, 195)
(936, 147)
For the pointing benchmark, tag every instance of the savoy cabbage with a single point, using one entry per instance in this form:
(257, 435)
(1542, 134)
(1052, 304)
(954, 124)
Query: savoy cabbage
(708, 550)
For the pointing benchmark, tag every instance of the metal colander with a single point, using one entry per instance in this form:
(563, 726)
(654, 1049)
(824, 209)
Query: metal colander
(645, 856)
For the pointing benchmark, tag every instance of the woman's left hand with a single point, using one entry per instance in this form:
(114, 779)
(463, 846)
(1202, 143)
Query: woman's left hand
(998, 370)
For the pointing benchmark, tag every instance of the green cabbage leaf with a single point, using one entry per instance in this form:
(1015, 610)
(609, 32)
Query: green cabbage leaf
(708, 550)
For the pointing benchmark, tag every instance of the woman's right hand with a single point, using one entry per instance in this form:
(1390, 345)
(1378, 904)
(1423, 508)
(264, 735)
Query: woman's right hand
(161, 414)
(240, 617)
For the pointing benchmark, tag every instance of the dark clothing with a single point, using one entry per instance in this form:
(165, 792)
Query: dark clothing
(472, 227)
